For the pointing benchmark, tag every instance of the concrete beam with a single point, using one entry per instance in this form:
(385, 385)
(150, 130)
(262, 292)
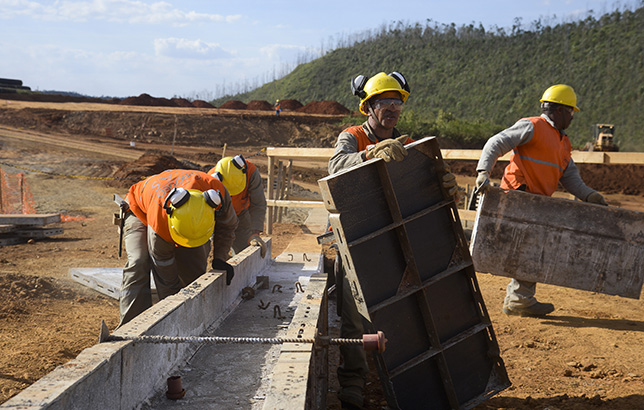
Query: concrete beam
(121, 375)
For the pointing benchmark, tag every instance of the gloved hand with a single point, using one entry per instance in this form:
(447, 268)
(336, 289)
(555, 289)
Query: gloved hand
(449, 182)
(256, 240)
(596, 198)
(482, 181)
(389, 149)
(219, 264)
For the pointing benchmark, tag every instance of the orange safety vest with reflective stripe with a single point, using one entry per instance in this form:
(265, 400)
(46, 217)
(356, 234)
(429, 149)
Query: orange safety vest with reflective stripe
(540, 163)
(362, 138)
(241, 201)
(146, 197)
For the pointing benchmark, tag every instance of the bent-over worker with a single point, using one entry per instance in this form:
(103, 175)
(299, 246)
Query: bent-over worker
(541, 159)
(167, 230)
(244, 183)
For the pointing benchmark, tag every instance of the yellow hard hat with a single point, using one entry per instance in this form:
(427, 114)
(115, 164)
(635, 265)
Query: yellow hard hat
(561, 94)
(378, 84)
(190, 218)
(231, 171)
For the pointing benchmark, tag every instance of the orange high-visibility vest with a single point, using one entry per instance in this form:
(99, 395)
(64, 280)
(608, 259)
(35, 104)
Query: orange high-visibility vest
(362, 138)
(146, 197)
(541, 162)
(241, 201)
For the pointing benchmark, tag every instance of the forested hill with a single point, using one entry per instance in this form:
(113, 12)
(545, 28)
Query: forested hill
(490, 77)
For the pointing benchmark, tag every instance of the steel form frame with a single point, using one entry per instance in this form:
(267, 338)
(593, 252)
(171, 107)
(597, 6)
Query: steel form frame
(423, 293)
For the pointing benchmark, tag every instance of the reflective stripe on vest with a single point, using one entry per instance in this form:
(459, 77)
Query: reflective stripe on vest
(541, 162)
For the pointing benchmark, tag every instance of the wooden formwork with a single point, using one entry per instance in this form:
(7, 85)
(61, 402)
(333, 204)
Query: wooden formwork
(410, 272)
(560, 242)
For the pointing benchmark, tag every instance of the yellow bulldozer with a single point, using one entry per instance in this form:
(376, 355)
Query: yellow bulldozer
(603, 138)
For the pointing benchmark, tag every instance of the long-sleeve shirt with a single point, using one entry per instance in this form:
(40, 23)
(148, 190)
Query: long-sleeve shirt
(347, 152)
(257, 206)
(521, 133)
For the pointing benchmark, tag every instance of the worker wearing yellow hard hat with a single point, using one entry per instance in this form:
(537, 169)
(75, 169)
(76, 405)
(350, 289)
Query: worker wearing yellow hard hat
(382, 98)
(541, 159)
(244, 183)
(167, 231)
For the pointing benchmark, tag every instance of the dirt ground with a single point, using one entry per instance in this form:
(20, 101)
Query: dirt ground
(588, 354)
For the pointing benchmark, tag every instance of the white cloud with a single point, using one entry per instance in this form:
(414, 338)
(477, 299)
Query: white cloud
(116, 11)
(282, 52)
(193, 49)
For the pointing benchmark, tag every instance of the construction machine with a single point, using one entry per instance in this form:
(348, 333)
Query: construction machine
(604, 138)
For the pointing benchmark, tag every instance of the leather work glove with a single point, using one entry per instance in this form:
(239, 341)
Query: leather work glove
(256, 240)
(449, 182)
(482, 181)
(219, 264)
(596, 198)
(389, 149)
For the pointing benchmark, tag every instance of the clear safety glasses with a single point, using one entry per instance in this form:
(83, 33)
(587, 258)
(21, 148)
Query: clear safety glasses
(390, 103)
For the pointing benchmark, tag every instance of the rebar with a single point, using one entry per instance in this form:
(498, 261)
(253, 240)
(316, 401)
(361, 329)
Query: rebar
(231, 340)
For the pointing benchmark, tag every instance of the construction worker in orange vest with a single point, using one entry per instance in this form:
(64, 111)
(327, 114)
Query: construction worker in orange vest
(381, 100)
(167, 230)
(244, 183)
(541, 159)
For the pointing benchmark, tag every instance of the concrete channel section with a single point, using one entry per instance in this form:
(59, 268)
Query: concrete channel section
(131, 374)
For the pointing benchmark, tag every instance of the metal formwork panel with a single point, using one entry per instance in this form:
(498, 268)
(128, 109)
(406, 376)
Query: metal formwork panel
(411, 274)
(560, 242)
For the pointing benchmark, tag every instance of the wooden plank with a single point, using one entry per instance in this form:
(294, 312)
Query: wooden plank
(38, 233)
(35, 219)
(10, 240)
(7, 228)
(302, 154)
(588, 157)
(625, 158)
(466, 215)
(296, 204)
(559, 242)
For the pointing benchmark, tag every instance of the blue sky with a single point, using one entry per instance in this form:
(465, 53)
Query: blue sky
(198, 49)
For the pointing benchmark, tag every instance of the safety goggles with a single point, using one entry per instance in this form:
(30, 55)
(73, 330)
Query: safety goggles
(391, 103)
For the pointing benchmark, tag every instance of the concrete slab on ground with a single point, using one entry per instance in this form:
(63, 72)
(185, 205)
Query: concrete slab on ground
(105, 280)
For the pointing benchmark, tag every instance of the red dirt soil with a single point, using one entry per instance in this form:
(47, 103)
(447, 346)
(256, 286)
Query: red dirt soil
(290, 105)
(259, 105)
(233, 105)
(325, 107)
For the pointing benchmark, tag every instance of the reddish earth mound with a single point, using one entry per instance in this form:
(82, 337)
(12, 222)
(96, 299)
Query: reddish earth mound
(146, 165)
(324, 107)
(259, 105)
(148, 100)
(182, 102)
(41, 97)
(609, 178)
(290, 105)
(202, 104)
(233, 105)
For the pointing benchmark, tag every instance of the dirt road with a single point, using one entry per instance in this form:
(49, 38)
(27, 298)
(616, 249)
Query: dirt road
(587, 355)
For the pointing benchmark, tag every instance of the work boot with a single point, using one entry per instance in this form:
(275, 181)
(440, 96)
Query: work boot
(351, 397)
(537, 310)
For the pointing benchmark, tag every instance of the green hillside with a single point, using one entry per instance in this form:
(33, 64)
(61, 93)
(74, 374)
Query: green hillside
(470, 82)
